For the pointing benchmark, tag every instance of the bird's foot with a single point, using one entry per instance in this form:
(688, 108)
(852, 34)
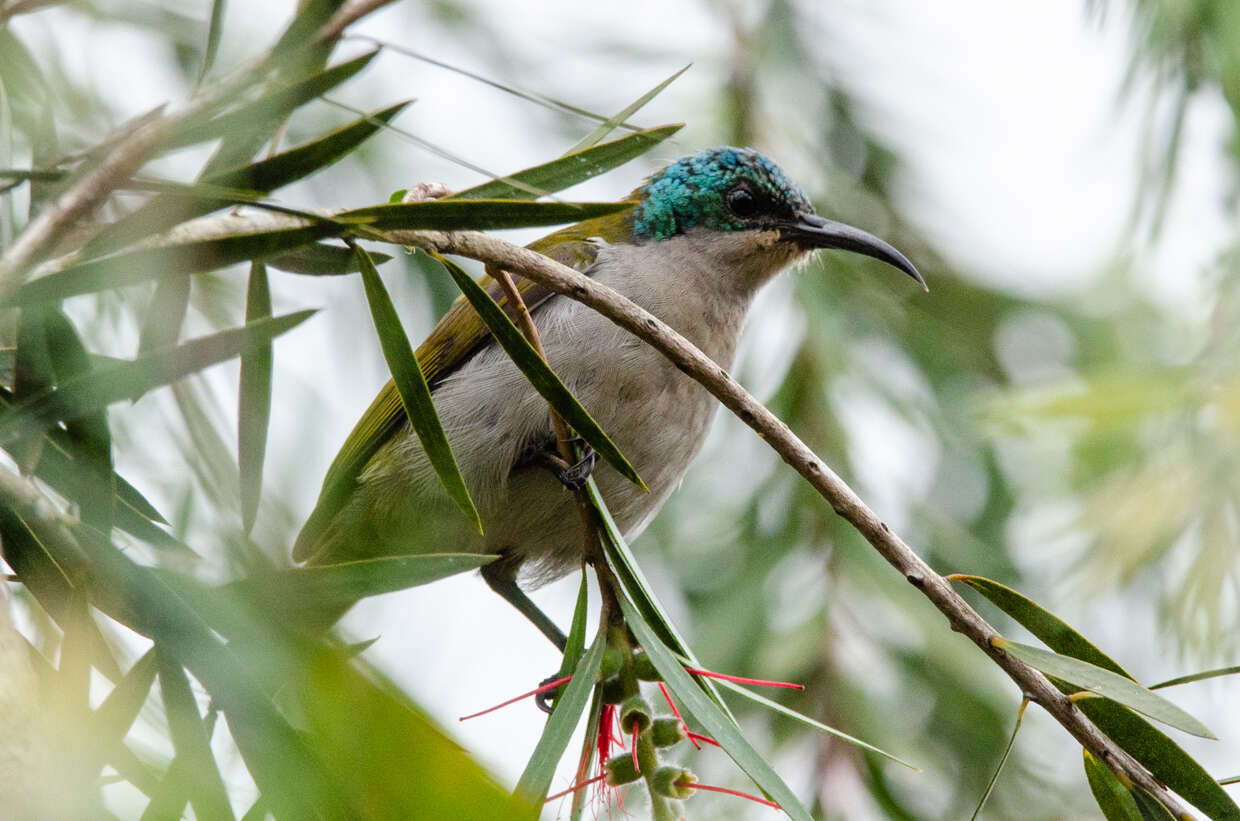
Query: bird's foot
(572, 477)
(543, 699)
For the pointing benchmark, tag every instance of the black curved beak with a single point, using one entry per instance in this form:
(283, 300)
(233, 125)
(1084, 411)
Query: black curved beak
(811, 231)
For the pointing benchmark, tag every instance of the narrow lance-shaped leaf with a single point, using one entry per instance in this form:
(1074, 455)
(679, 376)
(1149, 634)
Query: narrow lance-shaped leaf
(1166, 760)
(297, 596)
(131, 267)
(1049, 628)
(1113, 798)
(205, 786)
(113, 719)
(254, 400)
(322, 259)
(576, 644)
(717, 723)
(758, 698)
(537, 371)
(538, 773)
(130, 380)
(1105, 683)
(264, 176)
(214, 28)
(272, 105)
(1193, 677)
(165, 314)
(414, 392)
(572, 168)
(476, 215)
(623, 114)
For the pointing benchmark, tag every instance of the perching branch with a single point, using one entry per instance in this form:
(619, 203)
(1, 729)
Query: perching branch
(564, 280)
(714, 378)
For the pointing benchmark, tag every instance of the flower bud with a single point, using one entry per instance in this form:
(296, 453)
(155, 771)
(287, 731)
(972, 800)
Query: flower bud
(673, 782)
(620, 770)
(635, 714)
(668, 731)
(613, 690)
(612, 661)
(643, 668)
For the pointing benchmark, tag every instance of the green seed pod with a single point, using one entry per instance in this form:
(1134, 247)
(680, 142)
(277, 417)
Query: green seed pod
(635, 713)
(613, 660)
(668, 731)
(673, 782)
(620, 770)
(643, 668)
(613, 690)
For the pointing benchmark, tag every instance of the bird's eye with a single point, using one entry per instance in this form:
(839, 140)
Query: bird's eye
(742, 202)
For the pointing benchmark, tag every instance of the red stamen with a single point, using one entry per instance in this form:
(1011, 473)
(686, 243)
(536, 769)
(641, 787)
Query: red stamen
(636, 767)
(759, 682)
(581, 785)
(695, 737)
(675, 712)
(738, 793)
(549, 686)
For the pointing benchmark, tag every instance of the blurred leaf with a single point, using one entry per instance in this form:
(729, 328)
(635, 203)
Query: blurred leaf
(131, 380)
(214, 27)
(1115, 801)
(1007, 751)
(1105, 683)
(809, 722)
(1189, 679)
(291, 594)
(1046, 626)
(254, 400)
(613, 122)
(130, 267)
(205, 785)
(414, 392)
(322, 259)
(539, 373)
(166, 210)
(113, 719)
(576, 166)
(477, 215)
(536, 778)
(165, 314)
(717, 723)
(1165, 759)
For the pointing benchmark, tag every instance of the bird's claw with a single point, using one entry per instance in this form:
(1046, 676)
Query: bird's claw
(574, 477)
(543, 700)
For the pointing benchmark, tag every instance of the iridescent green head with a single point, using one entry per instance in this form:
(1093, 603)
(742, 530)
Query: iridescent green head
(720, 189)
(732, 190)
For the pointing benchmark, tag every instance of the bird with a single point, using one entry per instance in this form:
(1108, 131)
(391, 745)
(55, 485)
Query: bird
(705, 233)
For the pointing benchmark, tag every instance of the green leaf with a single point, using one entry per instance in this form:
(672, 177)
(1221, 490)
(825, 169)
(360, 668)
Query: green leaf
(322, 259)
(254, 400)
(1165, 759)
(477, 215)
(1189, 679)
(1151, 808)
(165, 314)
(207, 793)
(717, 723)
(414, 392)
(1105, 683)
(113, 719)
(214, 28)
(806, 720)
(576, 644)
(1007, 751)
(623, 114)
(274, 105)
(103, 386)
(1113, 798)
(572, 168)
(536, 778)
(291, 594)
(1046, 626)
(264, 176)
(130, 267)
(539, 373)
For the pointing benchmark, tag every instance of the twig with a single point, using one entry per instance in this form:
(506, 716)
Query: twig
(962, 617)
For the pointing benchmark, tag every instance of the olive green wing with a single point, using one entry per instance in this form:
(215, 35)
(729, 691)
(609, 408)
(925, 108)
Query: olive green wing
(457, 336)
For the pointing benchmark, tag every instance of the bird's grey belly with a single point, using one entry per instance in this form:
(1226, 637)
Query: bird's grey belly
(656, 415)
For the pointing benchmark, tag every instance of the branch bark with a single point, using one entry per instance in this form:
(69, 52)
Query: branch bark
(960, 615)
